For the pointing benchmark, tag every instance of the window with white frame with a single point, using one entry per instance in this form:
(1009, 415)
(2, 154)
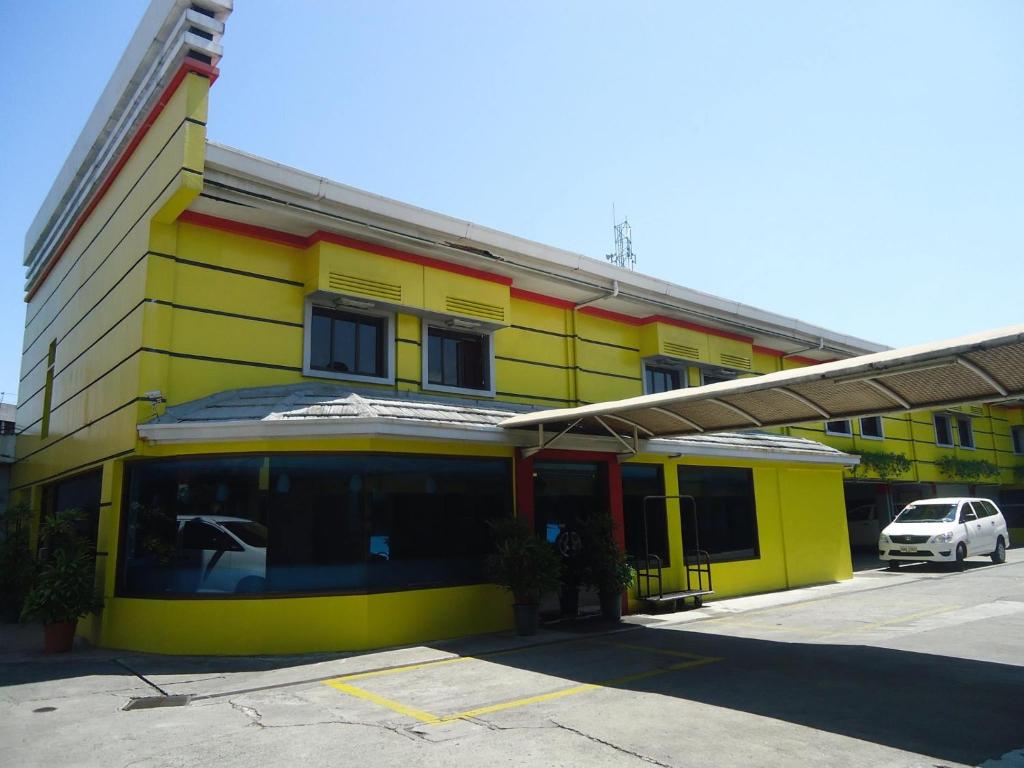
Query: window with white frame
(943, 429)
(457, 358)
(871, 428)
(965, 431)
(715, 376)
(662, 378)
(1017, 433)
(841, 427)
(343, 343)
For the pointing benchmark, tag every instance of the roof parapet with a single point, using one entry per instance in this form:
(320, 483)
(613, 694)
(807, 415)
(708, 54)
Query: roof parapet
(170, 32)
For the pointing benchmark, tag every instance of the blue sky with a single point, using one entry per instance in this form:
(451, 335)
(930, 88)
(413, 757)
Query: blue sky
(858, 165)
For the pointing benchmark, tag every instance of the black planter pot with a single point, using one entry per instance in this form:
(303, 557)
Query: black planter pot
(526, 618)
(611, 605)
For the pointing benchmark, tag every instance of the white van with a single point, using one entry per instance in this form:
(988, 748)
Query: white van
(945, 531)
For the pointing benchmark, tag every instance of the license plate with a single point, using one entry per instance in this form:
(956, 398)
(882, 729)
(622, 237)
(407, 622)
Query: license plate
(906, 548)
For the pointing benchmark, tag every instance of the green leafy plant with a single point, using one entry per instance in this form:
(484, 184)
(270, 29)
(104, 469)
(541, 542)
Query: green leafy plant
(606, 567)
(966, 469)
(522, 563)
(63, 587)
(16, 563)
(885, 464)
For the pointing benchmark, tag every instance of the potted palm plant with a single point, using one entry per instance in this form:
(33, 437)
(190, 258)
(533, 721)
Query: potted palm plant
(525, 566)
(63, 586)
(606, 567)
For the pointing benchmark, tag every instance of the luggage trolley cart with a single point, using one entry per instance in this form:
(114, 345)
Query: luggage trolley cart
(697, 564)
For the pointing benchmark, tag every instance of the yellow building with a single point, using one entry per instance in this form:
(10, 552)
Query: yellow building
(280, 397)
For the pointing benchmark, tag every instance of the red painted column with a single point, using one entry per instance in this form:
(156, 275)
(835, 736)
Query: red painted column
(524, 490)
(614, 471)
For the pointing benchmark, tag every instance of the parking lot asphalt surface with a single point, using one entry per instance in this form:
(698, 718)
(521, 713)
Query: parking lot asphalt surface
(922, 667)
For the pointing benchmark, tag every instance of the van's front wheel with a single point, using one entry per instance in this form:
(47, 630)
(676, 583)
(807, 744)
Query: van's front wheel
(999, 553)
(961, 555)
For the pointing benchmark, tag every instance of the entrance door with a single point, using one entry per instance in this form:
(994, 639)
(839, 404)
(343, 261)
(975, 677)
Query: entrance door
(565, 495)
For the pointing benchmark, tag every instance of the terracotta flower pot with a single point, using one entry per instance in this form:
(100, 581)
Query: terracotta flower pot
(59, 636)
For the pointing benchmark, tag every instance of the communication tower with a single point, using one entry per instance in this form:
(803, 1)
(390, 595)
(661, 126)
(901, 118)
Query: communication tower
(623, 255)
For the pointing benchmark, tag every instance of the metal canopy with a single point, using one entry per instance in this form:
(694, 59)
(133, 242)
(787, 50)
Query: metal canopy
(980, 368)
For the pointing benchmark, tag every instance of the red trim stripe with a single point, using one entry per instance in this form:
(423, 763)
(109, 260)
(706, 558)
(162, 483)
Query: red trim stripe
(540, 298)
(607, 314)
(298, 241)
(699, 328)
(768, 351)
(188, 65)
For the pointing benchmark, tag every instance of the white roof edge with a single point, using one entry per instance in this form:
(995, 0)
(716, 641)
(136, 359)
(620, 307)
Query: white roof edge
(333, 427)
(128, 88)
(238, 162)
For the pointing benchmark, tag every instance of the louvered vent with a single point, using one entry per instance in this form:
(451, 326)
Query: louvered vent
(735, 361)
(475, 308)
(681, 350)
(977, 410)
(364, 287)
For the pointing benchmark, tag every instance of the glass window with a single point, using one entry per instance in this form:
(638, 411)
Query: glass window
(722, 518)
(309, 523)
(927, 513)
(841, 427)
(965, 431)
(943, 430)
(714, 377)
(981, 510)
(458, 359)
(1018, 439)
(638, 481)
(661, 379)
(345, 342)
(871, 426)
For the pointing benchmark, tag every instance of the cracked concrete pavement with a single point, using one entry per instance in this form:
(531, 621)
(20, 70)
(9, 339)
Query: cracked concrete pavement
(883, 670)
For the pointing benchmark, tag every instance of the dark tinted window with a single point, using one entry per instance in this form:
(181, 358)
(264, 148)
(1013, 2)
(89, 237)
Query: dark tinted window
(1018, 439)
(456, 359)
(638, 481)
(661, 379)
(722, 519)
(965, 432)
(307, 523)
(838, 427)
(871, 426)
(344, 342)
(943, 431)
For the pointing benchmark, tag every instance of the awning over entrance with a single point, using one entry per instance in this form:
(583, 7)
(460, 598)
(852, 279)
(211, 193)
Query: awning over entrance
(980, 368)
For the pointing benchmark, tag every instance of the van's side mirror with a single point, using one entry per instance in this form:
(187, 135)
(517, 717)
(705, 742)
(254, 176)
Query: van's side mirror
(966, 517)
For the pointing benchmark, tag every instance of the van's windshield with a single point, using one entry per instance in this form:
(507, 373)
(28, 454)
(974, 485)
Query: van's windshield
(927, 513)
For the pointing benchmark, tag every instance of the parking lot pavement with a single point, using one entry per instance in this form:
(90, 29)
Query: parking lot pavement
(911, 670)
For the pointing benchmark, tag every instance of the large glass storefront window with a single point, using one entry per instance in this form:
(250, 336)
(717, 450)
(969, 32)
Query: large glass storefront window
(638, 482)
(309, 523)
(724, 522)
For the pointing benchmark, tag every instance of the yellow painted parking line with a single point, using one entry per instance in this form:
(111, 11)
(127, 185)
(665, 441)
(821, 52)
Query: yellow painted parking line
(394, 706)
(342, 684)
(649, 649)
(397, 670)
(512, 704)
(888, 622)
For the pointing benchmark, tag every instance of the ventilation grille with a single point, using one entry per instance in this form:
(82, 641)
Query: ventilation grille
(735, 361)
(680, 350)
(364, 287)
(977, 410)
(475, 308)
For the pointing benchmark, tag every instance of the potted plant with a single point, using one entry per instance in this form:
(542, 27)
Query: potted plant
(63, 586)
(606, 567)
(526, 566)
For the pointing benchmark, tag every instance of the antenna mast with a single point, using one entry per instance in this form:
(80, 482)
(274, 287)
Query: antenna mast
(623, 255)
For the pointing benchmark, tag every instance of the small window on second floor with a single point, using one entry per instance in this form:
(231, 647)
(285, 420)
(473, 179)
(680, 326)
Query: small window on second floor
(458, 359)
(1018, 439)
(658, 379)
(871, 427)
(714, 377)
(943, 430)
(965, 431)
(347, 344)
(841, 427)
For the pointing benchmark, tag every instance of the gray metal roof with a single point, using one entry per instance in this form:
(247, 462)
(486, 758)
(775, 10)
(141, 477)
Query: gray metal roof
(264, 412)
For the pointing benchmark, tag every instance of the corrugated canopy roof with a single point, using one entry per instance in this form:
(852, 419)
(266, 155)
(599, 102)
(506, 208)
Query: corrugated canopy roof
(983, 367)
